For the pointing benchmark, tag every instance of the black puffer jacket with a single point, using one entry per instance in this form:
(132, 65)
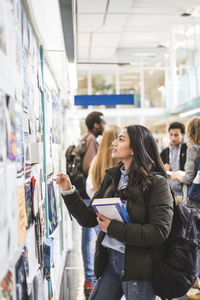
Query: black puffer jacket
(144, 242)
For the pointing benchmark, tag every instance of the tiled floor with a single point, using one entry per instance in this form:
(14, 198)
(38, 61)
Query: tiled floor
(75, 273)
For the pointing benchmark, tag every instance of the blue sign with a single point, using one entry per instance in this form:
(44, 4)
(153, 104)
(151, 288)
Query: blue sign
(107, 100)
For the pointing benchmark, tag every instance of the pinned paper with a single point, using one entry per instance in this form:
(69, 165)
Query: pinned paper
(22, 219)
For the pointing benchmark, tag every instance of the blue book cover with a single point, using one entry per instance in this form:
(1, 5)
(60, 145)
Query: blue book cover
(112, 208)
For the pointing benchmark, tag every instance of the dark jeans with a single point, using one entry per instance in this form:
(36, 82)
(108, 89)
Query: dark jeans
(111, 287)
(89, 236)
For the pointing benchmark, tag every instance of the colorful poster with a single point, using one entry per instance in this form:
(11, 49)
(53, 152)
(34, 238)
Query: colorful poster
(21, 271)
(53, 220)
(27, 156)
(22, 219)
(11, 129)
(6, 287)
(19, 143)
(39, 232)
(29, 202)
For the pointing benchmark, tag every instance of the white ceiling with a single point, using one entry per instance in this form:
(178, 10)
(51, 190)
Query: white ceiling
(113, 31)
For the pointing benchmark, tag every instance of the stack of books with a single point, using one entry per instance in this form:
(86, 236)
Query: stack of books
(111, 208)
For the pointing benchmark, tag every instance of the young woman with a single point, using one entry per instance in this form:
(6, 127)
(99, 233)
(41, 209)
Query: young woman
(102, 161)
(126, 253)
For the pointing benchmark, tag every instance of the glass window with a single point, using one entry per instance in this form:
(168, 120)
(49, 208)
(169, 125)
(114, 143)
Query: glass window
(103, 83)
(82, 83)
(130, 84)
(154, 88)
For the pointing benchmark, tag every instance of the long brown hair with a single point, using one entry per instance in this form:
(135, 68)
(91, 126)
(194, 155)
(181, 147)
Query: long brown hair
(194, 131)
(103, 160)
(146, 161)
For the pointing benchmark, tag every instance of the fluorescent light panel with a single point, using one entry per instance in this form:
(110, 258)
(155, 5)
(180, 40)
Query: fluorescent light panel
(189, 113)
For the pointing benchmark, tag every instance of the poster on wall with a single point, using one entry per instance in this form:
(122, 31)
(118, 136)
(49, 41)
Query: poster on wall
(21, 210)
(11, 195)
(19, 142)
(55, 121)
(18, 72)
(39, 233)
(29, 203)
(6, 287)
(25, 33)
(21, 271)
(25, 84)
(3, 45)
(3, 148)
(33, 265)
(48, 116)
(11, 129)
(53, 219)
(27, 150)
(4, 233)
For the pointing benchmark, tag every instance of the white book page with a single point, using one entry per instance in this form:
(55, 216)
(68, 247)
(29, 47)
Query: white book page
(109, 211)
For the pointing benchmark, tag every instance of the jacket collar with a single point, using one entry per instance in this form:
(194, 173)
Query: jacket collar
(115, 173)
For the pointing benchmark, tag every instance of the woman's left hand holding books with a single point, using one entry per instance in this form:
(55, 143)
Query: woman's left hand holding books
(103, 222)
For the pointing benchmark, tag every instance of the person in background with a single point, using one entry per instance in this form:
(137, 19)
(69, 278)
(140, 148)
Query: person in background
(96, 173)
(102, 161)
(193, 153)
(125, 264)
(174, 156)
(95, 124)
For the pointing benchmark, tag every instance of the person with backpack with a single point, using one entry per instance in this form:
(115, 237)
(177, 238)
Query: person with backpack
(192, 173)
(78, 167)
(128, 272)
(174, 156)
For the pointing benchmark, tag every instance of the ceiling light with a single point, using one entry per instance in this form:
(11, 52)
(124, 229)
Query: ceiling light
(151, 72)
(161, 89)
(189, 113)
(146, 54)
(185, 14)
(161, 46)
(158, 64)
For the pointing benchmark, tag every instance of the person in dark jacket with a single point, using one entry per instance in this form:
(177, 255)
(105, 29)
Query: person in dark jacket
(174, 156)
(126, 253)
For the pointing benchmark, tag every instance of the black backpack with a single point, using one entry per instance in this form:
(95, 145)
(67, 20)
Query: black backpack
(74, 157)
(179, 268)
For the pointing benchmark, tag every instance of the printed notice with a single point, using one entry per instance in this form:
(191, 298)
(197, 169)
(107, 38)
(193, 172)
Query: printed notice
(22, 219)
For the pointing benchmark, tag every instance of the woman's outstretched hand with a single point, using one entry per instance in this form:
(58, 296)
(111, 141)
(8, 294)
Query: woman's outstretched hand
(63, 181)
